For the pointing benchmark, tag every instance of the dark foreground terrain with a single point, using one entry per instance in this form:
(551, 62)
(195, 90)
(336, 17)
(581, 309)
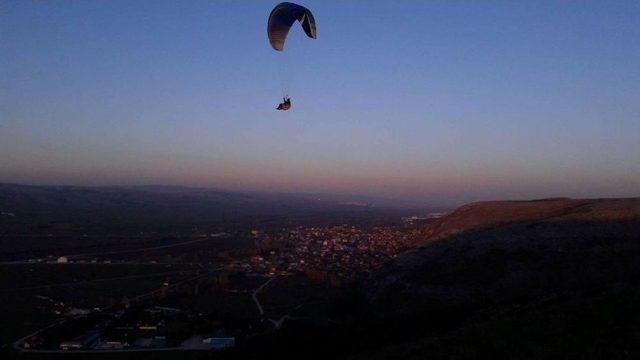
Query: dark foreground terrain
(240, 265)
(556, 278)
(553, 278)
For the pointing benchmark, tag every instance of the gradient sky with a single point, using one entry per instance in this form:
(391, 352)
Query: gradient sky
(439, 102)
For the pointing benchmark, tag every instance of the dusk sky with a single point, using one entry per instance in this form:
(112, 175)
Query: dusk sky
(440, 102)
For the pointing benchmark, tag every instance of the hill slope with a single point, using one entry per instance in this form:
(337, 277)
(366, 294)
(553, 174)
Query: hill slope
(143, 208)
(481, 215)
(544, 278)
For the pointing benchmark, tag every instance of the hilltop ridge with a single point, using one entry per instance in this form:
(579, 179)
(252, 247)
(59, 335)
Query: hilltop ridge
(488, 214)
(547, 269)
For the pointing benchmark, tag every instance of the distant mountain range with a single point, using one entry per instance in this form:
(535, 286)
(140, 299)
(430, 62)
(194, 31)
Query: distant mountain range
(171, 207)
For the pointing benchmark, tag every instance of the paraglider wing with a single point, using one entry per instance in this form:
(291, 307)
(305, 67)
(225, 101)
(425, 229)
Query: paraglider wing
(281, 19)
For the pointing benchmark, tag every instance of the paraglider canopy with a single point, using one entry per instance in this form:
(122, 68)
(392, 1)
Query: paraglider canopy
(282, 18)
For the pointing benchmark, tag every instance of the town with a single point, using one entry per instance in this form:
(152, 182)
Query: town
(171, 315)
(333, 253)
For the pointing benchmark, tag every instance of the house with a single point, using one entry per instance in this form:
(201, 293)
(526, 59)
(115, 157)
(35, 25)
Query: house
(81, 342)
(220, 342)
(198, 342)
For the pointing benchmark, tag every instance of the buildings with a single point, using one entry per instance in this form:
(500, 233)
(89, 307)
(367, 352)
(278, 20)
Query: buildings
(326, 253)
(198, 342)
(82, 342)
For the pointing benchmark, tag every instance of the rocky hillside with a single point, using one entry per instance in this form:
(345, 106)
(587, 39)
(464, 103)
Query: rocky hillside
(543, 278)
(489, 246)
(484, 215)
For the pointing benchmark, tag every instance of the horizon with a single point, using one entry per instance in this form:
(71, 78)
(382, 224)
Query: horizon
(337, 197)
(449, 103)
(373, 200)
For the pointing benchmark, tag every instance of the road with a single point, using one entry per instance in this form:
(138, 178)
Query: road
(255, 295)
(95, 280)
(214, 236)
(277, 323)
